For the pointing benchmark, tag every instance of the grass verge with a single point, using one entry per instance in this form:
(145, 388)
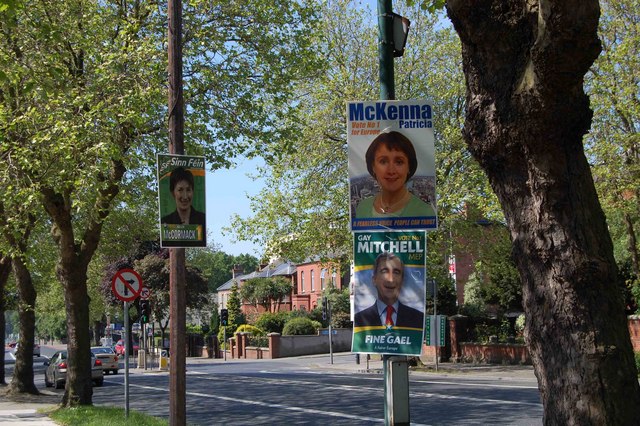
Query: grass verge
(103, 416)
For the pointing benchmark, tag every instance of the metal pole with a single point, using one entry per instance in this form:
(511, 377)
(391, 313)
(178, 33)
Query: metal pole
(224, 332)
(435, 315)
(396, 371)
(385, 50)
(330, 337)
(177, 274)
(126, 358)
(144, 343)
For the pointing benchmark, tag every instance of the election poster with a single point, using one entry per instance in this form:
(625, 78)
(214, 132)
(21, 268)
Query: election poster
(389, 292)
(392, 183)
(181, 196)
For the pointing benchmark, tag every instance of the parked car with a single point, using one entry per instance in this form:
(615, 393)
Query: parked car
(36, 349)
(120, 349)
(56, 371)
(108, 357)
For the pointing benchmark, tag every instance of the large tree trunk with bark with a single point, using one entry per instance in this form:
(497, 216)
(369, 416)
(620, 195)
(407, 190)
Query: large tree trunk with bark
(71, 271)
(73, 263)
(73, 276)
(5, 269)
(22, 381)
(524, 63)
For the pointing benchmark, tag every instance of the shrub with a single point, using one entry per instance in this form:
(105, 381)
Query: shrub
(273, 322)
(341, 320)
(300, 326)
(247, 328)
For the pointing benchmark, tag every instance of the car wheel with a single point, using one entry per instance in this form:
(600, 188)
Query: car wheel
(59, 384)
(47, 383)
(99, 382)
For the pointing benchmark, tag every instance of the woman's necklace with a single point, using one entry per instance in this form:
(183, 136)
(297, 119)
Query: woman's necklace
(385, 208)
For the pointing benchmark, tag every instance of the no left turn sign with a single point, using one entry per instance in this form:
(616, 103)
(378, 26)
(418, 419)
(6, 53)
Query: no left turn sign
(145, 293)
(126, 284)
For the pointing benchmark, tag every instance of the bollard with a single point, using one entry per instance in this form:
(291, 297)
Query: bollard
(142, 359)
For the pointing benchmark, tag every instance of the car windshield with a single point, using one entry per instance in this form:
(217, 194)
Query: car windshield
(101, 350)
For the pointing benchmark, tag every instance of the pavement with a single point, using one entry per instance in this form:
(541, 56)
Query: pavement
(28, 410)
(31, 410)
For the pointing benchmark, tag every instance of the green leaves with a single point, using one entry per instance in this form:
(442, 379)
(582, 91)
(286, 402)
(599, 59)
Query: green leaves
(612, 145)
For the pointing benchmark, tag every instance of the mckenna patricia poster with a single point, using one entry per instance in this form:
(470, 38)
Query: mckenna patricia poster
(391, 151)
(181, 197)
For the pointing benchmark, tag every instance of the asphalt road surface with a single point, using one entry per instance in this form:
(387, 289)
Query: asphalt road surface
(308, 390)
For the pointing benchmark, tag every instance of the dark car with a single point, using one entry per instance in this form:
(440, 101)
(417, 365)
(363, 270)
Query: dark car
(56, 371)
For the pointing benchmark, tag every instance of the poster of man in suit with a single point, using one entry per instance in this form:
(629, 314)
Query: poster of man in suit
(389, 292)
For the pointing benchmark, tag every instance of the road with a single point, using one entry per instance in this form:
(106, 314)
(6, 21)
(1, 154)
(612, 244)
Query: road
(308, 390)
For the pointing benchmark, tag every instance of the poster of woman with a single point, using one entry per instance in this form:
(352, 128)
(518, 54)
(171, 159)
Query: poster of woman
(391, 165)
(181, 195)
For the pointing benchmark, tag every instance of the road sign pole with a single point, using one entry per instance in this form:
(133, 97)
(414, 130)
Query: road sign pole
(126, 359)
(435, 315)
(330, 337)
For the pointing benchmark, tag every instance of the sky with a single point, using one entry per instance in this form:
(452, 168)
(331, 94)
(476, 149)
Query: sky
(226, 192)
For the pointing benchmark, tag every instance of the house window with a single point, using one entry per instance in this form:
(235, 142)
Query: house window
(313, 281)
(333, 279)
(323, 279)
(301, 281)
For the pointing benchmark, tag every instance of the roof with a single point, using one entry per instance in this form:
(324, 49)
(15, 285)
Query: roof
(282, 269)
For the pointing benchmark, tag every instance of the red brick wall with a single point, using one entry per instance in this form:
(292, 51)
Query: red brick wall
(498, 353)
(634, 331)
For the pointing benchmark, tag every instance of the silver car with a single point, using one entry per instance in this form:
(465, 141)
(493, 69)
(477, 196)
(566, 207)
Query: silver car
(108, 357)
(56, 371)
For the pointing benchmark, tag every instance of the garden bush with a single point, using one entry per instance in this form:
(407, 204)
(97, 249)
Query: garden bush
(273, 322)
(247, 328)
(300, 326)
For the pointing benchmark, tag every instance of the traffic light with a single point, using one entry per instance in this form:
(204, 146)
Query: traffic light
(324, 308)
(224, 317)
(145, 311)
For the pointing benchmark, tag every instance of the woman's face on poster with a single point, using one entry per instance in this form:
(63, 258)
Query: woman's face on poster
(183, 194)
(391, 168)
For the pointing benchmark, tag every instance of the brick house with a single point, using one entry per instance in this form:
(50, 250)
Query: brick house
(313, 278)
(309, 279)
(286, 270)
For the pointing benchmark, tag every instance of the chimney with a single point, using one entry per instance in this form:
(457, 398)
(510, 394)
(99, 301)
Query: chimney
(236, 271)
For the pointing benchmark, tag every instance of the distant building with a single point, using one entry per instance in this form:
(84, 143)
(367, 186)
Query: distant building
(313, 278)
(309, 280)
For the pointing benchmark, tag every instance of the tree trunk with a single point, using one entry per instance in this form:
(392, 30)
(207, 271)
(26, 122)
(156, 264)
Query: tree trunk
(524, 64)
(78, 389)
(22, 381)
(71, 270)
(5, 269)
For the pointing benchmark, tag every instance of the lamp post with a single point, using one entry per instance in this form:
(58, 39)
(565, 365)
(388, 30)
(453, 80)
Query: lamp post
(392, 36)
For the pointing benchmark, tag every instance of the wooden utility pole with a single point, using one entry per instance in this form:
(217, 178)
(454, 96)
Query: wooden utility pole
(177, 275)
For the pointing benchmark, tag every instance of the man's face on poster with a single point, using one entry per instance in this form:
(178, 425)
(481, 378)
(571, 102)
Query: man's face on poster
(388, 278)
